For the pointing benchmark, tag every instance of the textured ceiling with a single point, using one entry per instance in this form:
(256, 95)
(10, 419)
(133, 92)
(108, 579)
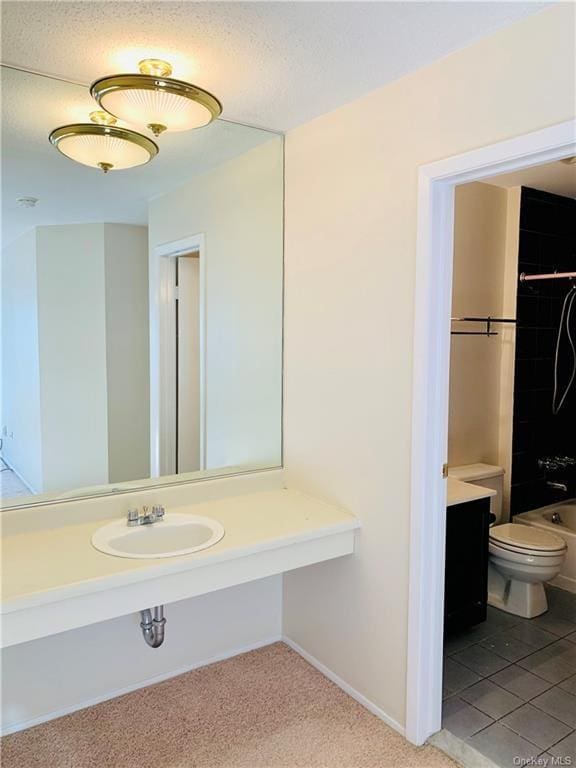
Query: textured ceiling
(273, 64)
(71, 193)
(557, 178)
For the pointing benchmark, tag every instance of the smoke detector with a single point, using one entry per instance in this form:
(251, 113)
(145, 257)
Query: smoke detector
(26, 202)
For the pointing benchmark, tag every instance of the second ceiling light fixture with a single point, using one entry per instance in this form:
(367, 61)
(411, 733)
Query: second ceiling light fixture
(151, 99)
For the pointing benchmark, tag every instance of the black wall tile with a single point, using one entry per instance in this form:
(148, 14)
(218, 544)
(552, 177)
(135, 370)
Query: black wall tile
(547, 244)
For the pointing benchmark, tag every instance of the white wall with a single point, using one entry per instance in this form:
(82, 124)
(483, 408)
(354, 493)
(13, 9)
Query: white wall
(76, 365)
(71, 322)
(480, 212)
(127, 343)
(20, 369)
(351, 188)
(49, 677)
(238, 207)
(486, 232)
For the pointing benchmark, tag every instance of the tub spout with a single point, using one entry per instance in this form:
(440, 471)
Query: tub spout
(557, 486)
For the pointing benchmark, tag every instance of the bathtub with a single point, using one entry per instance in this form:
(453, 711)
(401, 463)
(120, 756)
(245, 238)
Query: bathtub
(542, 518)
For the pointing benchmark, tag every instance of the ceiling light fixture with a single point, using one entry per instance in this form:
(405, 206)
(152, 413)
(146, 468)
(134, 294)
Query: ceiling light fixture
(102, 144)
(155, 100)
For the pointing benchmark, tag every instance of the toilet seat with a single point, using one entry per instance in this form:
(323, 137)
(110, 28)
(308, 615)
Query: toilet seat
(524, 551)
(526, 540)
(526, 557)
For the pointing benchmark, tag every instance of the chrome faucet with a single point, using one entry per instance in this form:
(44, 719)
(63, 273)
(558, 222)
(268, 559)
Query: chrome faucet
(557, 486)
(146, 518)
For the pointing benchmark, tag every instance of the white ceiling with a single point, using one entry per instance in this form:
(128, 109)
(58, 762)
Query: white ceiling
(273, 64)
(557, 178)
(70, 193)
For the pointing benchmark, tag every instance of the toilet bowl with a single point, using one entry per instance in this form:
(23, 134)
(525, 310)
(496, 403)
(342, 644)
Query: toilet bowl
(521, 559)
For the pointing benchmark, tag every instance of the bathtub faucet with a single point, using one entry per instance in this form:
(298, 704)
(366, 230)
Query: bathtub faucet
(557, 486)
(557, 463)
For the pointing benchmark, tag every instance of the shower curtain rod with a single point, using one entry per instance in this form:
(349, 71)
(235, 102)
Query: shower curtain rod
(524, 278)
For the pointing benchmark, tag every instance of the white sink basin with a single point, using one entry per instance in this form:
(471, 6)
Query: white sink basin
(177, 534)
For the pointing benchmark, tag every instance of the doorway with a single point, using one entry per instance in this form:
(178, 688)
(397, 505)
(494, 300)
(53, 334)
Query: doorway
(178, 358)
(187, 379)
(437, 182)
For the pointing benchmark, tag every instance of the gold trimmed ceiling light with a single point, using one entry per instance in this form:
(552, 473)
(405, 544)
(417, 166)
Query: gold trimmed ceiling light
(102, 144)
(155, 100)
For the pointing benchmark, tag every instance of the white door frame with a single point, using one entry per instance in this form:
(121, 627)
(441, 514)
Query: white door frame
(163, 353)
(433, 300)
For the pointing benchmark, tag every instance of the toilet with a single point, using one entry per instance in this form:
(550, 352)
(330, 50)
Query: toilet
(521, 557)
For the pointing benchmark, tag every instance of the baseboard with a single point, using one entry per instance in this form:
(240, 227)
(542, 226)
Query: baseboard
(565, 583)
(359, 697)
(24, 724)
(19, 476)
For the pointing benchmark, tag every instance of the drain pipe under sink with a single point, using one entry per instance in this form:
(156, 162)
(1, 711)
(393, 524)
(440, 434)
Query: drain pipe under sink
(153, 628)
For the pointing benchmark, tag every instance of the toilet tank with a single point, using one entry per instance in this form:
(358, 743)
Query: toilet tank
(486, 475)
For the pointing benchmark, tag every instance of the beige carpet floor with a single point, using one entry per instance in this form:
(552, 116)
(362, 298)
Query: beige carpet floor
(265, 709)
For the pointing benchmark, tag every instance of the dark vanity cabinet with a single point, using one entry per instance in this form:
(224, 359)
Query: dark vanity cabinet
(466, 579)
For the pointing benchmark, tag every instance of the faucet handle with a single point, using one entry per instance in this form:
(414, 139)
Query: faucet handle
(158, 512)
(133, 516)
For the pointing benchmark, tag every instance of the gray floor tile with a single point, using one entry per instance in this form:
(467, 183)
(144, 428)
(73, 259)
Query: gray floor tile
(500, 620)
(503, 746)
(536, 726)
(548, 664)
(458, 642)
(531, 635)
(457, 677)
(520, 682)
(559, 704)
(566, 747)
(480, 660)
(461, 719)
(467, 637)
(562, 603)
(569, 685)
(491, 699)
(510, 648)
(554, 624)
(572, 637)
(565, 651)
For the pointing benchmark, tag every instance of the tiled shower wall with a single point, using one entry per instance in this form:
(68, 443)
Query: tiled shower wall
(547, 244)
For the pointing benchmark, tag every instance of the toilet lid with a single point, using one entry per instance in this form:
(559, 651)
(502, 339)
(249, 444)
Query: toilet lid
(526, 537)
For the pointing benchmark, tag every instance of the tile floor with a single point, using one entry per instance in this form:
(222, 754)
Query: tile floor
(510, 685)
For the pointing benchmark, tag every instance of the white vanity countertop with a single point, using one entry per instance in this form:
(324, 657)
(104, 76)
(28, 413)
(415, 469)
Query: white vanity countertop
(460, 492)
(50, 565)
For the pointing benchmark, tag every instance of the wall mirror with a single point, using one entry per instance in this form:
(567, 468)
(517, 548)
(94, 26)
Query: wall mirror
(141, 308)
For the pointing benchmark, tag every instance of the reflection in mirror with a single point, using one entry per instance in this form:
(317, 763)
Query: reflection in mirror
(141, 308)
